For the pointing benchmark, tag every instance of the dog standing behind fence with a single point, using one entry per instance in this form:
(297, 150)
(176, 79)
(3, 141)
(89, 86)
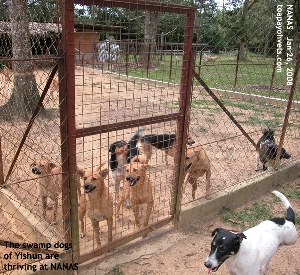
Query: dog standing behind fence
(197, 165)
(50, 184)
(96, 201)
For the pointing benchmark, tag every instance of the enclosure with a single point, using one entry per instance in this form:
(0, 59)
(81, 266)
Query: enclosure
(216, 73)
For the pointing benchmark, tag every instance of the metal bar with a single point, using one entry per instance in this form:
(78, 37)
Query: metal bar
(116, 243)
(217, 100)
(184, 120)
(1, 165)
(138, 5)
(68, 137)
(288, 110)
(31, 121)
(273, 75)
(83, 132)
(237, 66)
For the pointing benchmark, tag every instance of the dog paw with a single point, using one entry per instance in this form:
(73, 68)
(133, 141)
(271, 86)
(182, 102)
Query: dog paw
(208, 197)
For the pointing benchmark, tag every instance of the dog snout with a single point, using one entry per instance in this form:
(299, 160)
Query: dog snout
(88, 188)
(128, 178)
(36, 171)
(285, 154)
(208, 264)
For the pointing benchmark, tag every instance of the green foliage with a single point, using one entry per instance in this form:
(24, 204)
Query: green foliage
(248, 217)
(116, 270)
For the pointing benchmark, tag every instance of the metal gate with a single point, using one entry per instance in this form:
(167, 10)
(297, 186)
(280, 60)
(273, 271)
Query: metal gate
(98, 112)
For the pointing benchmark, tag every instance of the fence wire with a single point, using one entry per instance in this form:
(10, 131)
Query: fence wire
(130, 85)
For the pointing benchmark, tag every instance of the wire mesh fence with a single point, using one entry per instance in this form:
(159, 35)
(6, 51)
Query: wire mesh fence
(123, 87)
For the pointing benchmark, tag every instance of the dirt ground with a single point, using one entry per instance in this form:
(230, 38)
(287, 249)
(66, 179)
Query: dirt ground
(183, 251)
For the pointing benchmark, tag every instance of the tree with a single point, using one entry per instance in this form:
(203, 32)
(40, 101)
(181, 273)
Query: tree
(25, 93)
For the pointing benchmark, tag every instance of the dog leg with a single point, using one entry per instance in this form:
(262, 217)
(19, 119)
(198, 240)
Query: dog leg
(117, 190)
(119, 205)
(95, 224)
(110, 227)
(136, 210)
(265, 268)
(81, 213)
(186, 179)
(44, 206)
(166, 158)
(257, 162)
(194, 187)
(208, 185)
(55, 211)
(148, 213)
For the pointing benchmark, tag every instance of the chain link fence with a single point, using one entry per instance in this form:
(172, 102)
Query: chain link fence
(76, 91)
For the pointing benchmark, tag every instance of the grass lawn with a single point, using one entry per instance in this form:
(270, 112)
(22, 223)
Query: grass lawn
(254, 74)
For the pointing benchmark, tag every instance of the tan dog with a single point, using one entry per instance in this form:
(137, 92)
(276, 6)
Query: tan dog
(140, 188)
(50, 183)
(140, 158)
(96, 202)
(50, 177)
(164, 142)
(210, 59)
(197, 164)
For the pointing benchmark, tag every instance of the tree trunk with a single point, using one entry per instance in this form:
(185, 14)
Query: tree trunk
(25, 93)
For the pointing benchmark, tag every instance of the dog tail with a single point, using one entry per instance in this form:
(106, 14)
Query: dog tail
(290, 216)
(132, 144)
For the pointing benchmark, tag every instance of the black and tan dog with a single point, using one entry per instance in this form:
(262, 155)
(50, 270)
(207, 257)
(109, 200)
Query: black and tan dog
(96, 201)
(197, 165)
(121, 152)
(164, 142)
(139, 186)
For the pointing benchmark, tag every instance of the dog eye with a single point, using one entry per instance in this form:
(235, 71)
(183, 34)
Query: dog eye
(85, 178)
(94, 179)
(135, 170)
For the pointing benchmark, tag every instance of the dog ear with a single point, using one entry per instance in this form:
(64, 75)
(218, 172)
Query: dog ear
(215, 231)
(112, 148)
(51, 165)
(80, 173)
(103, 173)
(145, 165)
(240, 237)
(99, 166)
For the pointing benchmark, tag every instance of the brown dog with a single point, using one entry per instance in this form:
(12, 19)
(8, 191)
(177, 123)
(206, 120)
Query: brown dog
(140, 188)
(50, 177)
(197, 164)
(50, 183)
(96, 202)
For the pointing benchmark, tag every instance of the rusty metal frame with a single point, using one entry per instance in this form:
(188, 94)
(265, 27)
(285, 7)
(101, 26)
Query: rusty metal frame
(69, 133)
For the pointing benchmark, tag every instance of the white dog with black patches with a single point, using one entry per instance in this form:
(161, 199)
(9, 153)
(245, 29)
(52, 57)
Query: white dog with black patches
(250, 252)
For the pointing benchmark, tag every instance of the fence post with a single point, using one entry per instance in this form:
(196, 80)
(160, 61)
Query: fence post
(288, 110)
(1, 165)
